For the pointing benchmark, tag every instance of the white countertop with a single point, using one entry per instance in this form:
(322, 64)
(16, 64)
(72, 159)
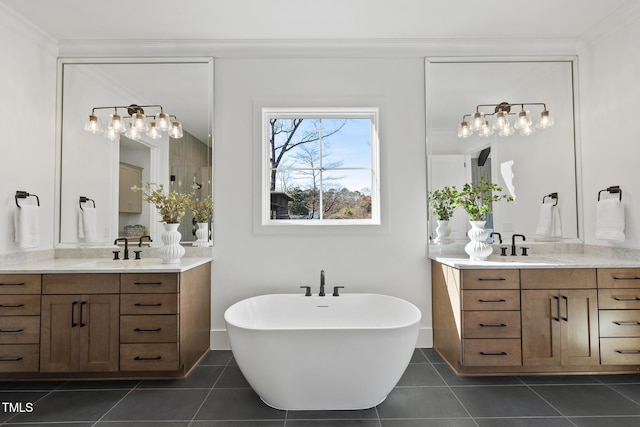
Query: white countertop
(560, 260)
(102, 265)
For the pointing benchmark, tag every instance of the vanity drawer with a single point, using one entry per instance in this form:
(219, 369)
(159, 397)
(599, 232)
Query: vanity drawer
(19, 358)
(157, 283)
(149, 304)
(20, 284)
(491, 299)
(149, 357)
(619, 323)
(19, 305)
(492, 352)
(491, 324)
(19, 330)
(150, 328)
(619, 277)
(619, 298)
(620, 351)
(90, 283)
(491, 279)
(563, 278)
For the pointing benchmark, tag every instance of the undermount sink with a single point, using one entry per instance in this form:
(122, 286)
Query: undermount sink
(530, 259)
(101, 264)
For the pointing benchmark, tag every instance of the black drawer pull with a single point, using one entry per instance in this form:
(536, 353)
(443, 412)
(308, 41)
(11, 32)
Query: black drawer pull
(11, 330)
(626, 299)
(147, 283)
(502, 353)
(10, 359)
(13, 284)
(626, 278)
(492, 300)
(501, 325)
(11, 305)
(489, 279)
(147, 330)
(629, 323)
(139, 304)
(147, 358)
(627, 351)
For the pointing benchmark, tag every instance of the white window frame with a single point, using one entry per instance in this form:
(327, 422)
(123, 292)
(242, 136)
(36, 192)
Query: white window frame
(371, 113)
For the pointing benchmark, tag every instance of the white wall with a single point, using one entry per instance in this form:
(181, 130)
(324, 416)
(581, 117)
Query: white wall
(27, 108)
(609, 95)
(388, 259)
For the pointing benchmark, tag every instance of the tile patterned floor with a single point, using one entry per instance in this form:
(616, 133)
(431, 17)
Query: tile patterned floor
(429, 394)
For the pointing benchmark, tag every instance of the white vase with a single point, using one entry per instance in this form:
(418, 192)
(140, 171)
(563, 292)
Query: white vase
(443, 232)
(202, 235)
(478, 249)
(172, 250)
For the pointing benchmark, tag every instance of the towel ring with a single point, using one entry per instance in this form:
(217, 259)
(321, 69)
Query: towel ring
(84, 199)
(615, 189)
(553, 196)
(24, 195)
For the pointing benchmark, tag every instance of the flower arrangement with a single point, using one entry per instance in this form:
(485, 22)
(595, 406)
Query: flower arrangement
(171, 205)
(443, 203)
(202, 209)
(476, 199)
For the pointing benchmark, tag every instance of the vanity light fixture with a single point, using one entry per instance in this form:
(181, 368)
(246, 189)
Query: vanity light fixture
(501, 123)
(161, 122)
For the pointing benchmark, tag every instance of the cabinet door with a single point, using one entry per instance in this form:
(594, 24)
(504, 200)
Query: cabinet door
(99, 330)
(59, 333)
(579, 320)
(541, 334)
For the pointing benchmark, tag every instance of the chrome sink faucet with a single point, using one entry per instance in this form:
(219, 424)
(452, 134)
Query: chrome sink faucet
(513, 243)
(321, 294)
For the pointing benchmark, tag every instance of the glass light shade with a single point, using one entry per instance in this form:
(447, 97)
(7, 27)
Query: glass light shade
(501, 120)
(133, 133)
(545, 120)
(176, 130)
(464, 131)
(506, 130)
(93, 124)
(139, 122)
(112, 134)
(486, 131)
(527, 130)
(163, 121)
(523, 121)
(477, 121)
(117, 124)
(154, 132)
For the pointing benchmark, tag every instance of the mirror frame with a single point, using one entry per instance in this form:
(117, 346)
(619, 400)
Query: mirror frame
(576, 124)
(155, 226)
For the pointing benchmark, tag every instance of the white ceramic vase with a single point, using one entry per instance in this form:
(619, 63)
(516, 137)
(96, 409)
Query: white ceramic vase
(478, 249)
(202, 235)
(443, 233)
(172, 250)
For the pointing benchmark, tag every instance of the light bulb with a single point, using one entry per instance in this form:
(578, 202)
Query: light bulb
(111, 134)
(139, 122)
(501, 120)
(163, 122)
(176, 130)
(477, 121)
(486, 131)
(506, 130)
(133, 133)
(545, 119)
(117, 123)
(154, 132)
(464, 131)
(93, 124)
(527, 130)
(524, 120)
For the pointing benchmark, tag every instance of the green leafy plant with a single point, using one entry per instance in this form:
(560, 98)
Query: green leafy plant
(476, 199)
(171, 205)
(443, 202)
(203, 209)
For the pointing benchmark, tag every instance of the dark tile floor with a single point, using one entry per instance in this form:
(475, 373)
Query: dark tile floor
(429, 394)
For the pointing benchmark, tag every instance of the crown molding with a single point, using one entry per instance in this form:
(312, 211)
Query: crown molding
(621, 17)
(25, 29)
(318, 48)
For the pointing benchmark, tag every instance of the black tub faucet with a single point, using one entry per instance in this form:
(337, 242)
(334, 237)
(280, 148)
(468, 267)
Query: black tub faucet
(513, 243)
(321, 294)
(126, 246)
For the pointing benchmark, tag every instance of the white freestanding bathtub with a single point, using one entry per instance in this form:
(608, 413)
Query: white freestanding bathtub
(323, 353)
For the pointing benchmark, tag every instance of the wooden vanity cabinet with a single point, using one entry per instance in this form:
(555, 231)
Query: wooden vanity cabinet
(559, 317)
(80, 323)
(19, 322)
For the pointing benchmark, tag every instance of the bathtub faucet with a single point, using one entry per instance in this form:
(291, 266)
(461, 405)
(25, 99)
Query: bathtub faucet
(321, 294)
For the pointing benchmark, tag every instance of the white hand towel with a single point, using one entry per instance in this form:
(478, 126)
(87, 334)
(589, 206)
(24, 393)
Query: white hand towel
(556, 230)
(545, 220)
(27, 226)
(88, 224)
(610, 220)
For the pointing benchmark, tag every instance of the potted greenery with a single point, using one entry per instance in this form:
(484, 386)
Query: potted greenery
(171, 206)
(443, 204)
(203, 214)
(476, 199)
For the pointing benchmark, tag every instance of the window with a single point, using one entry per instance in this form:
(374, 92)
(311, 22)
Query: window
(320, 166)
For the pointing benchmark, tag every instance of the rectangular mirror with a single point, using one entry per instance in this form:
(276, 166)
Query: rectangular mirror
(102, 170)
(542, 163)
